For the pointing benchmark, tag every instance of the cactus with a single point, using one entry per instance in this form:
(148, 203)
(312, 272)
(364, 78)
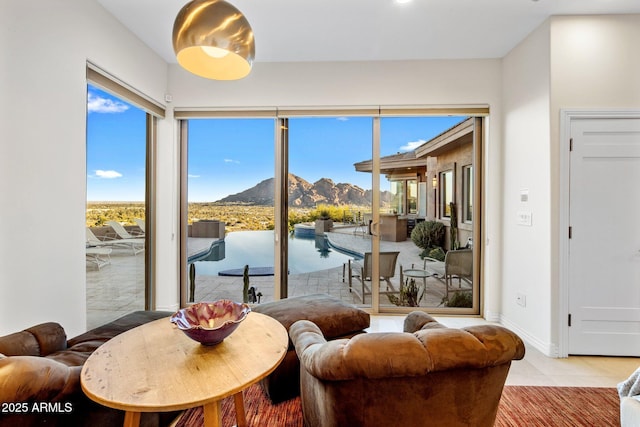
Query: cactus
(409, 295)
(453, 230)
(245, 287)
(192, 281)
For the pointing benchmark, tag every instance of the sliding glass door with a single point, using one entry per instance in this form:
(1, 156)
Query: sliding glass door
(365, 208)
(329, 205)
(120, 221)
(116, 204)
(230, 209)
(423, 160)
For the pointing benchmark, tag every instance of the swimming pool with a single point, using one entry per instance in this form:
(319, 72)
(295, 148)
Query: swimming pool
(256, 249)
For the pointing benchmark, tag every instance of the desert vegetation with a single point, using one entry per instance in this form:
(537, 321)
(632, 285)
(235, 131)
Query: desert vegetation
(98, 213)
(237, 216)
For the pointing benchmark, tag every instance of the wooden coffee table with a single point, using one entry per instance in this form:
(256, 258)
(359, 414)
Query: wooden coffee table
(156, 367)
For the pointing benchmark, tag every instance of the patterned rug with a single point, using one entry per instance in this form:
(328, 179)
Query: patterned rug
(520, 406)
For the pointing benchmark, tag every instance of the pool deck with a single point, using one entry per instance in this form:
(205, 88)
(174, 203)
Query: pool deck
(118, 288)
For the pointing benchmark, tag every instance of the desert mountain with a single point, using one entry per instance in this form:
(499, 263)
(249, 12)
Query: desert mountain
(303, 194)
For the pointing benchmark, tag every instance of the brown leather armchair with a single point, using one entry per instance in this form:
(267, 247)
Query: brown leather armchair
(430, 375)
(40, 376)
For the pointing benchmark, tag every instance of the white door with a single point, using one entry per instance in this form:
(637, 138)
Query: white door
(604, 248)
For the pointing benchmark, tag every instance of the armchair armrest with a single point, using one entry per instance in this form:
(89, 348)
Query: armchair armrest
(39, 340)
(304, 334)
(417, 320)
(36, 379)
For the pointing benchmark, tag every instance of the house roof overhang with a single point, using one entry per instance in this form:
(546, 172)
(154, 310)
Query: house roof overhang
(401, 163)
(452, 138)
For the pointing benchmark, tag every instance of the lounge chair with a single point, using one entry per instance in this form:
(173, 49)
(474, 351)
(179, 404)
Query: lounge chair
(135, 244)
(142, 225)
(363, 271)
(98, 256)
(122, 232)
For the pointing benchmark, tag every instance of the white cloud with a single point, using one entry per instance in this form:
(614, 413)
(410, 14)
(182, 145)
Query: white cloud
(108, 174)
(231, 161)
(193, 176)
(412, 145)
(97, 104)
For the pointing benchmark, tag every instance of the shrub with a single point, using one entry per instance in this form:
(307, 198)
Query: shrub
(459, 299)
(428, 234)
(436, 253)
(324, 214)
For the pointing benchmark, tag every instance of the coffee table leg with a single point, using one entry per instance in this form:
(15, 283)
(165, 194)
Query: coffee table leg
(131, 419)
(238, 398)
(213, 414)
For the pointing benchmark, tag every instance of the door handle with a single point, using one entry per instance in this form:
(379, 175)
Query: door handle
(375, 228)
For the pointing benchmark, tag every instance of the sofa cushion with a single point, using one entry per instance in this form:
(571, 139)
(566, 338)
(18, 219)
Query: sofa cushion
(106, 332)
(334, 317)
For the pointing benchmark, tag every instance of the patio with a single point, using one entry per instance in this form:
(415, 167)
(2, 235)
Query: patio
(118, 288)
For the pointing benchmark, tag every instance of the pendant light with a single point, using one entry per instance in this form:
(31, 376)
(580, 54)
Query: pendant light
(213, 39)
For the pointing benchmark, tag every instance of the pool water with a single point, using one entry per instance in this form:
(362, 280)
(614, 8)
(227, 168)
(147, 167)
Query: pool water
(256, 249)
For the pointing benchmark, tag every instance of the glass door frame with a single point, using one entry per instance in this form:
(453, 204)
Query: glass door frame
(281, 148)
(102, 79)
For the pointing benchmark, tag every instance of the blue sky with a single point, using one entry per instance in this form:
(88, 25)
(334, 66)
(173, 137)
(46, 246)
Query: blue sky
(116, 145)
(227, 156)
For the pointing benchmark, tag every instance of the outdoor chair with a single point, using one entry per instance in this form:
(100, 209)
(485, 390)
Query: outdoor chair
(98, 256)
(122, 232)
(363, 271)
(142, 225)
(135, 244)
(457, 264)
(360, 224)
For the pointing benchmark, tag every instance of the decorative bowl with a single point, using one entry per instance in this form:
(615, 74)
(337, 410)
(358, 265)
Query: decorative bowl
(210, 322)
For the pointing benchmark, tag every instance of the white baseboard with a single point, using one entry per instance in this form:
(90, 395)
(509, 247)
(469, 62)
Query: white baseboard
(546, 348)
(493, 317)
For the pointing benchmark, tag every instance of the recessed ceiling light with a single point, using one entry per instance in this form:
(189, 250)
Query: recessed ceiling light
(403, 1)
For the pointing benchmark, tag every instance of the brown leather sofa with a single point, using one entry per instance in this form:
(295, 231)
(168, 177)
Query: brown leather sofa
(40, 376)
(429, 376)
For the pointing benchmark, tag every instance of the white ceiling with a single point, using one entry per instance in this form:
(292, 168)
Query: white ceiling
(353, 30)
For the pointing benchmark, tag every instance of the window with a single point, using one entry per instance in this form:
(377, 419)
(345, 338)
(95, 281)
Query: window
(121, 141)
(405, 196)
(446, 193)
(467, 194)
(412, 196)
(397, 203)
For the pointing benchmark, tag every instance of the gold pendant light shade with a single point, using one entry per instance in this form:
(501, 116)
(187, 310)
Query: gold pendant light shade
(213, 39)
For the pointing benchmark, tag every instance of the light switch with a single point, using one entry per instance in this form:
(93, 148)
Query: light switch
(524, 218)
